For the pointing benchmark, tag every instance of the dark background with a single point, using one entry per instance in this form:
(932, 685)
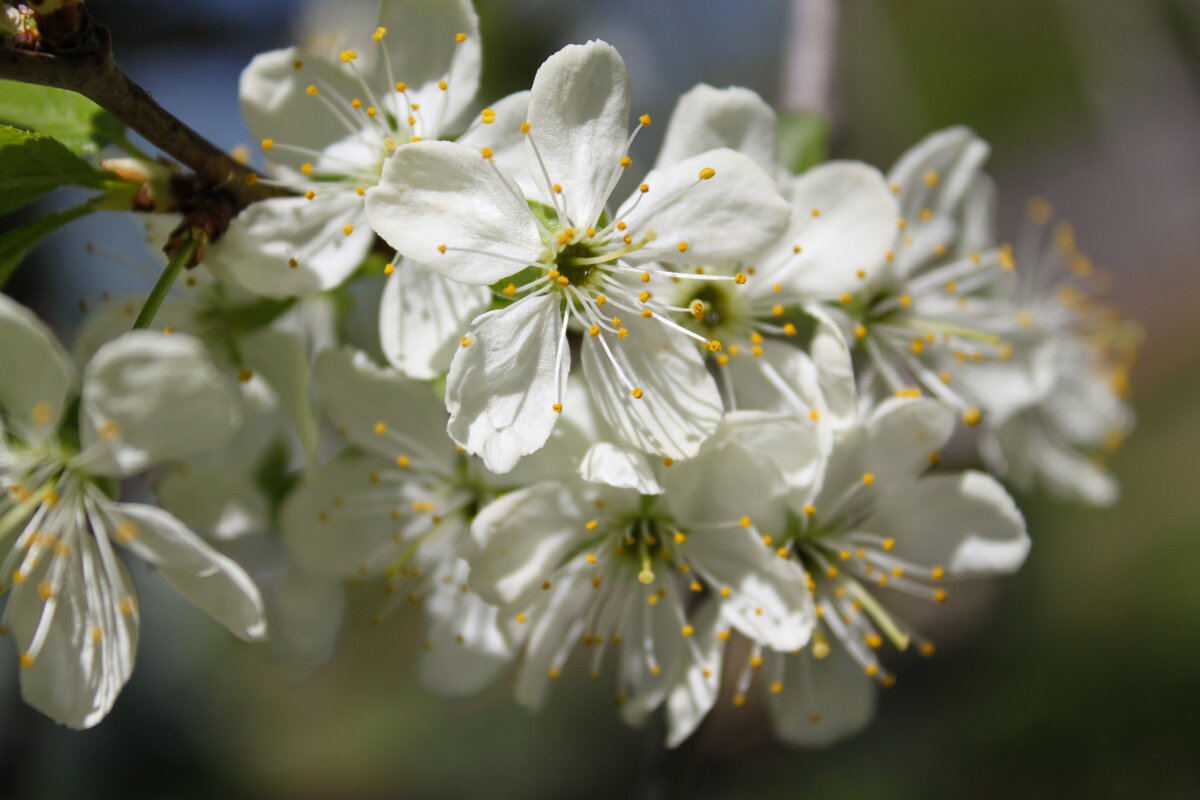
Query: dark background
(1077, 678)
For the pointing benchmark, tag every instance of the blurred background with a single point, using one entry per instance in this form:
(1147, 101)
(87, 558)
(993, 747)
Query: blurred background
(1075, 678)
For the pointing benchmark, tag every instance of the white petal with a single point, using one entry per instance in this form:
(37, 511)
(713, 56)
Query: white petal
(1074, 477)
(518, 540)
(730, 478)
(282, 359)
(258, 250)
(211, 497)
(726, 218)
(706, 118)
(504, 138)
(436, 196)
(550, 623)
(340, 523)
(37, 372)
(964, 522)
(212, 582)
(465, 650)
(621, 467)
(844, 220)
(502, 386)
(421, 317)
(578, 117)
(956, 157)
(795, 449)
(88, 653)
(835, 368)
(823, 699)
(422, 47)
(679, 405)
(276, 105)
(151, 396)
(769, 600)
(382, 412)
(694, 690)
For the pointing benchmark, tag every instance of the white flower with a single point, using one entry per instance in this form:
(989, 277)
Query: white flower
(928, 314)
(327, 125)
(565, 262)
(877, 521)
(570, 564)
(146, 397)
(400, 511)
(266, 347)
(1057, 437)
(843, 223)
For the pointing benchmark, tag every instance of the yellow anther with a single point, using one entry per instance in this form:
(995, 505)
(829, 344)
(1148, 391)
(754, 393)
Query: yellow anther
(860, 331)
(626, 161)
(757, 350)
(872, 670)
(846, 298)
(558, 190)
(668, 461)
(441, 248)
(310, 194)
(510, 290)
(356, 103)
(905, 300)
(621, 226)
(26, 660)
(767, 540)
(722, 359)
(814, 415)
(401, 86)
(388, 269)
(594, 330)
(348, 229)
(381, 428)
(707, 173)
(403, 461)
(688, 630)
(460, 37)
(889, 543)
(250, 178)
(297, 64)
(917, 346)
(725, 593)
(937, 573)
(267, 144)
(347, 56)
(868, 478)
(465, 341)
(683, 246)
(940, 595)
(312, 90)
(524, 127)
(443, 85)
(644, 296)
(557, 407)
(645, 187)
(926, 215)
(902, 224)
(714, 346)
(745, 522)
(972, 416)
(777, 311)
(126, 605)
(627, 239)
(42, 413)
(816, 212)
(415, 139)
(293, 263)
(739, 699)
(621, 334)
(306, 168)
(695, 586)
(637, 391)
(932, 178)
(756, 337)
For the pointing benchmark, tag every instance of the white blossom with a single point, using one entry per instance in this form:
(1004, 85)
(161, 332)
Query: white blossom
(72, 609)
(560, 261)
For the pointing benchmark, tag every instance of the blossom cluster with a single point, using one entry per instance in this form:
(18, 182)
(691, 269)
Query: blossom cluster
(613, 418)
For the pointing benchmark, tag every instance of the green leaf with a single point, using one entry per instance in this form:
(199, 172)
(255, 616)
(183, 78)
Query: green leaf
(803, 140)
(70, 118)
(16, 243)
(32, 164)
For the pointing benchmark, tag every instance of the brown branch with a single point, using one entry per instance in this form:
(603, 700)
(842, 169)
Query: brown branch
(86, 65)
